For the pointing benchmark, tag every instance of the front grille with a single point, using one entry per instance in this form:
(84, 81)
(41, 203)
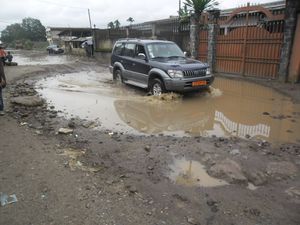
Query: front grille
(195, 73)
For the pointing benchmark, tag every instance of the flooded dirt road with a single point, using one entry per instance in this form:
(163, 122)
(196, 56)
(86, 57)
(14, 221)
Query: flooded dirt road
(229, 108)
(23, 57)
(92, 152)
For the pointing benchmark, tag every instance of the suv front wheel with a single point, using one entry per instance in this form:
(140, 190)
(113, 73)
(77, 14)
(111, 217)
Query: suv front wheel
(118, 76)
(157, 87)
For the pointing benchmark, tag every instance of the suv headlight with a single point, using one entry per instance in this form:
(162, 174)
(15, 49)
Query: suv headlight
(175, 73)
(208, 71)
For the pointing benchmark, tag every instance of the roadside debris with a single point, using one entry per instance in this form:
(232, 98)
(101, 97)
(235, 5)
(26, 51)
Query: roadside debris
(30, 101)
(229, 170)
(147, 148)
(74, 163)
(7, 199)
(293, 192)
(65, 131)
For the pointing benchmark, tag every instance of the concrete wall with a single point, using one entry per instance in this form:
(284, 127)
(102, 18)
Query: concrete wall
(294, 68)
(103, 57)
(292, 8)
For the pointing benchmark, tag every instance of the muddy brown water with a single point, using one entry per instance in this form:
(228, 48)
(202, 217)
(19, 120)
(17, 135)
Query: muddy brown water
(23, 57)
(192, 173)
(230, 108)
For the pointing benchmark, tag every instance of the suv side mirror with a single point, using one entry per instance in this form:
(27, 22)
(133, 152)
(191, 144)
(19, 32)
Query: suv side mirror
(187, 54)
(141, 56)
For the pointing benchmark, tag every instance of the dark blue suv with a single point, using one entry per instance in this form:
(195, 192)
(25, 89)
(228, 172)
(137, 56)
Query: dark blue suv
(158, 66)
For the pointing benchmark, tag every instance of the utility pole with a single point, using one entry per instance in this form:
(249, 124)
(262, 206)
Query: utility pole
(92, 33)
(90, 18)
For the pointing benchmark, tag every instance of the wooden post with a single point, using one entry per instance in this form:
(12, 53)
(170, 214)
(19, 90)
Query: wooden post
(245, 40)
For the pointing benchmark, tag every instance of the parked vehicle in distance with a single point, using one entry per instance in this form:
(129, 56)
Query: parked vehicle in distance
(54, 49)
(159, 66)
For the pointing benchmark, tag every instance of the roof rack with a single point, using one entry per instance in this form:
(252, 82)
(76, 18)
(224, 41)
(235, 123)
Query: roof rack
(128, 39)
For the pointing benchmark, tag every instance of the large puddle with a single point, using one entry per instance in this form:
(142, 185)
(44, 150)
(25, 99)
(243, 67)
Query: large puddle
(231, 108)
(23, 57)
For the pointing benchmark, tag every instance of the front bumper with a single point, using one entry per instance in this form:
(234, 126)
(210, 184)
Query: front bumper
(185, 84)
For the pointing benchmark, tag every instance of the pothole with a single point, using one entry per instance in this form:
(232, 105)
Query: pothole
(192, 173)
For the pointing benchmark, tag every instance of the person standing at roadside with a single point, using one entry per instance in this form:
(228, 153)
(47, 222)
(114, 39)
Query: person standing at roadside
(2, 85)
(2, 55)
(9, 57)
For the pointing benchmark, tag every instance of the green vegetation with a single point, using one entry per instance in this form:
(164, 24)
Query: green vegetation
(114, 25)
(194, 8)
(24, 35)
(130, 20)
(117, 24)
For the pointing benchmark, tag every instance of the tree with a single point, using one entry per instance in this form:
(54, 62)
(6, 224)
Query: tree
(34, 29)
(12, 33)
(184, 14)
(117, 24)
(111, 25)
(130, 20)
(195, 9)
(30, 29)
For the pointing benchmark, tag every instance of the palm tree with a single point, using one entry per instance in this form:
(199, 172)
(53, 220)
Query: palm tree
(196, 8)
(130, 20)
(111, 25)
(117, 24)
(184, 14)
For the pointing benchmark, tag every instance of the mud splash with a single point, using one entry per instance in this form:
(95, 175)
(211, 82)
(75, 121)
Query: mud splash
(164, 98)
(229, 108)
(192, 173)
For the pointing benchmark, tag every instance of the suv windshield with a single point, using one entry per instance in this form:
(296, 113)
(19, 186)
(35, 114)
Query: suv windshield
(164, 50)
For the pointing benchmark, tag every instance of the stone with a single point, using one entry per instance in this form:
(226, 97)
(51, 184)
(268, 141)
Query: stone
(293, 192)
(88, 124)
(71, 124)
(147, 148)
(229, 170)
(192, 220)
(132, 189)
(65, 131)
(31, 101)
(258, 178)
(235, 152)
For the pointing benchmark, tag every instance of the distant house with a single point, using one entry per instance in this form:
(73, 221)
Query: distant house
(60, 35)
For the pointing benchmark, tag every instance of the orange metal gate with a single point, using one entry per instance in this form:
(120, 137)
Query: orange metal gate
(249, 41)
(202, 50)
(249, 51)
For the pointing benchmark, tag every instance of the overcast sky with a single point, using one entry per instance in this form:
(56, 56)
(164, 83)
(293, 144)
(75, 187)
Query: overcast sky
(73, 13)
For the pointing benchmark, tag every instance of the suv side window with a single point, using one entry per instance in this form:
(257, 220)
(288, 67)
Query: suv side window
(129, 50)
(118, 49)
(140, 49)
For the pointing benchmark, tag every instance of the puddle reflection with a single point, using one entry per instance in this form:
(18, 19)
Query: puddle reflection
(192, 173)
(233, 108)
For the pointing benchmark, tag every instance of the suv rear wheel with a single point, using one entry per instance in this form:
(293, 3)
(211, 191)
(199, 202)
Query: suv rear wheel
(118, 76)
(157, 87)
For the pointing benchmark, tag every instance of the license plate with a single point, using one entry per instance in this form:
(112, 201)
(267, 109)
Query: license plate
(199, 83)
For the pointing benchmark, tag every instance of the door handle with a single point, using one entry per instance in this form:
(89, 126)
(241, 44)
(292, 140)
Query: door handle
(133, 64)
